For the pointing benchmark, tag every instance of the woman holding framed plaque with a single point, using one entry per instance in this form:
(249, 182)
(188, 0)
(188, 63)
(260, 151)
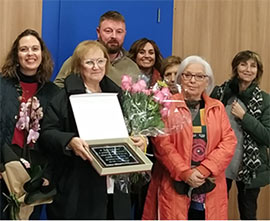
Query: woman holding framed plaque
(82, 192)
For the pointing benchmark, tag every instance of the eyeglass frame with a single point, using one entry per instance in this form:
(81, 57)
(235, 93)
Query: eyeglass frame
(198, 77)
(95, 61)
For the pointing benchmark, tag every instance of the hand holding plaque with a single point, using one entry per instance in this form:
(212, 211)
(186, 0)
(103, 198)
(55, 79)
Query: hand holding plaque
(110, 147)
(80, 148)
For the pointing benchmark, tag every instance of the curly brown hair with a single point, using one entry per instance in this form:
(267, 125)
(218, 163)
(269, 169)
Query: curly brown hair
(139, 44)
(45, 69)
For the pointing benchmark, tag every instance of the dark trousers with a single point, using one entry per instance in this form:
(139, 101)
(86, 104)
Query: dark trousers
(110, 213)
(247, 200)
(118, 206)
(196, 214)
(137, 202)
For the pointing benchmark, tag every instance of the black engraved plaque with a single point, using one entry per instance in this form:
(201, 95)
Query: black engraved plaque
(114, 155)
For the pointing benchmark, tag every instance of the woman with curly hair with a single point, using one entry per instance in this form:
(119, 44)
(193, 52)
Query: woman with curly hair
(147, 56)
(25, 78)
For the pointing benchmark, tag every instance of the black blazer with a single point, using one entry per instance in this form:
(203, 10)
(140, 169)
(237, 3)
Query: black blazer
(82, 193)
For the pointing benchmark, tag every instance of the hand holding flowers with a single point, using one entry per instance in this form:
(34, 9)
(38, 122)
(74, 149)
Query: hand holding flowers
(140, 141)
(143, 110)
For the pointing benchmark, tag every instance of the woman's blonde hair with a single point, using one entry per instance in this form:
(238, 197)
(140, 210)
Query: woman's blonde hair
(81, 50)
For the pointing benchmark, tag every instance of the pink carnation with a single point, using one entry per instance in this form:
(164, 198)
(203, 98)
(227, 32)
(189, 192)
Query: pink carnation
(147, 92)
(142, 84)
(126, 86)
(126, 83)
(136, 88)
(139, 86)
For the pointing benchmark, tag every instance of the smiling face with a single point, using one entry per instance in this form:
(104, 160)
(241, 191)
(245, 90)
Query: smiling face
(193, 88)
(29, 55)
(93, 66)
(247, 71)
(146, 56)
(112, 34)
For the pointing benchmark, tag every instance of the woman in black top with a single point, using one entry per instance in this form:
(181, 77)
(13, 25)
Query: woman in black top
(25, 78)
(82, 192)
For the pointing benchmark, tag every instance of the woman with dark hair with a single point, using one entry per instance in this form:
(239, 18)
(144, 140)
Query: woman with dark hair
(25, 79)
(147, 56)
(248, 108)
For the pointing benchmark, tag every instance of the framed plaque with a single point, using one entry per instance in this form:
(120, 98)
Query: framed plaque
(116, 156)
(101, 124)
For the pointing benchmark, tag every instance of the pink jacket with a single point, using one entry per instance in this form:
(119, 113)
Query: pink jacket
(173, 155)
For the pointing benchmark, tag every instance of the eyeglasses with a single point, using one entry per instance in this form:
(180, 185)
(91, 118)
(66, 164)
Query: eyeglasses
(100, 62)
(198, 77)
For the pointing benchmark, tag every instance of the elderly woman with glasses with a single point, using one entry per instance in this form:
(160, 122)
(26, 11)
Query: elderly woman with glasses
(82, 192)
(188, 180)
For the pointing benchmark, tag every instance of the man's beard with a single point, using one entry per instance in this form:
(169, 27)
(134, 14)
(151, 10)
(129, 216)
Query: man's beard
(112, 49)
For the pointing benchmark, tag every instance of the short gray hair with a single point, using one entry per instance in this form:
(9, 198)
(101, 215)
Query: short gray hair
(194, 59)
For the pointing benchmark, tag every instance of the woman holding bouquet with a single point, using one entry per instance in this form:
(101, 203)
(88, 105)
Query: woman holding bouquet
(148, 57)
(25, 78)
(188, 180)
(82, 192)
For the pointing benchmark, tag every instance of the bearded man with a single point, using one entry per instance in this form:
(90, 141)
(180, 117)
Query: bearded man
(111, 33)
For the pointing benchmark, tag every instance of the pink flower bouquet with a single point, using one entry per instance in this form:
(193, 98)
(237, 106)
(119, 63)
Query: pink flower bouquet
(144, 111)
(143, 108)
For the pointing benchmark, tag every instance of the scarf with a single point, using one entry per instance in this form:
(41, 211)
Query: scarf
(251, 152)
